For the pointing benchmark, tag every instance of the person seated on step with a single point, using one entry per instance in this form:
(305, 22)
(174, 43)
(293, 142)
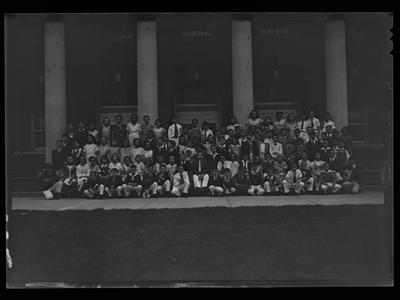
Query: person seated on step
(82, 173)
(328, 180)
(56, 190)
(255, 181)
(316, 168)
(132, 185)
(271, 181)
(90, 148)
(241, 181)
(292, 180)
(113, 185)
(115, 163)
(171, 168)
(59, 156)
(149, 179)
(70, 182)
(92, 186)
(200, 172)
(227, 183)
(215, 183)
(93, 164)
(46, 177)
(104, 169)
(163, 182)
(280, 168)
(139, 164)
(348, 179)
(181, 183)
(305, 168)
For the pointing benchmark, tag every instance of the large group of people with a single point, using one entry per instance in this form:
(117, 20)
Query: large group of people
(263, 157)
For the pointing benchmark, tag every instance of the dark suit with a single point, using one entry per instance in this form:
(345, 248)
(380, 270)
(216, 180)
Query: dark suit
(59, 158)
(187, 166)
(113, 181)
(81, 137)
(118, 132)
(213, 161)
(201, 168)
(313, 147)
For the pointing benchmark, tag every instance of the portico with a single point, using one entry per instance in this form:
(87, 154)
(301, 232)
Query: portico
(205, 66)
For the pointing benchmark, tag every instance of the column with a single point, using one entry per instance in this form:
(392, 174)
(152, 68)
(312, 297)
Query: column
(147, 69)
(242, 70)
(336, 71)
(54, 84)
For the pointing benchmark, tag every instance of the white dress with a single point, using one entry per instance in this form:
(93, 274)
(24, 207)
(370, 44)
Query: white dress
(133, 131)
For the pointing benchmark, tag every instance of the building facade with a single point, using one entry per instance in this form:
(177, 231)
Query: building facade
(67, 68)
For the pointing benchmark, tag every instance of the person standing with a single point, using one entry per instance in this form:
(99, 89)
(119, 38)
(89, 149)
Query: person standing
(133, 129)
(118, 130)
(174, 130)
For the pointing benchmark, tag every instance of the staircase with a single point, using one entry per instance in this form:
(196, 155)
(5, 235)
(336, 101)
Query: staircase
(25, 187)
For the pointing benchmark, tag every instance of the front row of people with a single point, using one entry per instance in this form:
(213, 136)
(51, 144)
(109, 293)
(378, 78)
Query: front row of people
(116, 180)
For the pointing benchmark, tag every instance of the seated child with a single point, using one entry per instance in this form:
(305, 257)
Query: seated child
(271, 181)
(281, 168)
(104, 148)
(181, 183)
(215, 183)
(93, 165)
(113, 185)
(133, 183)
(47, 177)
(92, 185)
(328, 180)
(125, 151)
(139, 164)
(126, 167)
(115, 163)
(227, 183)
(347, 180)
(90, 149)
(171, 167)
(82, 173)
(163, 182)
(104, 170)
(115, 149)
(241, 181)
(305, 168)
(255, 181)
(55, 191)
(76, 152)
(292, 180)
(149, 183)
(70, 182)
(316, 167)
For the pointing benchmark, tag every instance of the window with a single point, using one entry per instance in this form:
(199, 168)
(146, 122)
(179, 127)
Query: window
(38, 132)
(357, 123)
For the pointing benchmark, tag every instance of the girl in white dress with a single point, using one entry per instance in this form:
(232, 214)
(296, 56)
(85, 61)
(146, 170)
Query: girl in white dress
(134, 129)
(158, 130)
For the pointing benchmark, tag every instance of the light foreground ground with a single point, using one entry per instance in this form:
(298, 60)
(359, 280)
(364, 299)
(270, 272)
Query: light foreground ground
(367, 197)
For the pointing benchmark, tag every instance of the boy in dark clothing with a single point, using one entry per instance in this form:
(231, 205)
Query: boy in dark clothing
(113, 185)
(118, 131)
(59, 156)
(47, 177)
(133, 183)
(241, 181)
(255, 181)
(91, 187)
